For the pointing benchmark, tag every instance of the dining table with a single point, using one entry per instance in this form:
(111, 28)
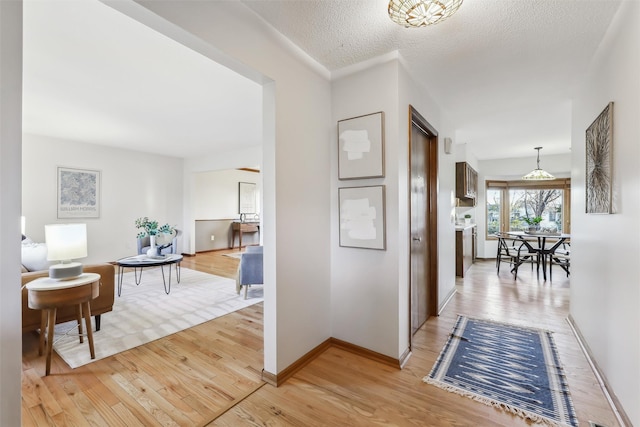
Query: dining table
(543, 252)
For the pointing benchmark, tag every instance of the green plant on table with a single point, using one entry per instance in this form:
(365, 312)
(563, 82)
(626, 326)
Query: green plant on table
(148, 227)
(536, 220)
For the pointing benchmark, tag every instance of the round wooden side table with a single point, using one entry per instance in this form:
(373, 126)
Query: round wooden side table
(48, 294)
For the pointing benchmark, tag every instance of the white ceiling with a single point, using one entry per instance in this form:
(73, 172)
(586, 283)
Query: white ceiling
(92, 74)
(502, 70)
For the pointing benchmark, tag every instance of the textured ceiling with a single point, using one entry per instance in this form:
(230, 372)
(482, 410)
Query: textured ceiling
(504, 70)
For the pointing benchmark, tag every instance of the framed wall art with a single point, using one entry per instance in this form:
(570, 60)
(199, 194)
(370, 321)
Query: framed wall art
(599, 163)
(78, 193)
(362, 217)
(247, 198)
(361, 147)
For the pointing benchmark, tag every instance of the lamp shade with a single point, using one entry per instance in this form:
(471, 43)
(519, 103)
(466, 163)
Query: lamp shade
(538, 174)
(66, 241)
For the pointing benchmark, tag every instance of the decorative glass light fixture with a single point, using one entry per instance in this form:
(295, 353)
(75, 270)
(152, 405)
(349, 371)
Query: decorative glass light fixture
(538, 174)
(420, 13)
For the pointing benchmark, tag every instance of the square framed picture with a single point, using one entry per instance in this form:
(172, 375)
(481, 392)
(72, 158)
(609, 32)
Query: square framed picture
(362, 217)
(361, 147)
(78, 193)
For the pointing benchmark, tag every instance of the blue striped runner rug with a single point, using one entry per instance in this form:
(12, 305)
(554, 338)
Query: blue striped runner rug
(506, 366)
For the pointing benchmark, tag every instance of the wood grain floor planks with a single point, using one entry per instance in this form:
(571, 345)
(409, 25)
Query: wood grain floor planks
(210, 374)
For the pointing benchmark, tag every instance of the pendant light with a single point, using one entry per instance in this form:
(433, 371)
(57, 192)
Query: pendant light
(538, 174)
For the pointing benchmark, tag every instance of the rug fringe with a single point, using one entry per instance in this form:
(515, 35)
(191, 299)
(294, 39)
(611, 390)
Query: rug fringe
(500, 322)
(490, 402)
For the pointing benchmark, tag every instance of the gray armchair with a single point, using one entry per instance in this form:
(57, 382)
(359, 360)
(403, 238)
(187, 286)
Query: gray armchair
(249, 269)
(168, 243)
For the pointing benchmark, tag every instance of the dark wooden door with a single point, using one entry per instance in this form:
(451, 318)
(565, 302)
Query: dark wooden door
(419, 247)
(423, 240)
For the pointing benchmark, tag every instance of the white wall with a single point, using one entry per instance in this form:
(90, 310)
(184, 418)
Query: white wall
(134, 185)
(217, 193)
(10, 177)
(216, 198)
(248, 157)
(605, 283)
(559, 165)
(365, 287)
(295, 173)
(370, 288)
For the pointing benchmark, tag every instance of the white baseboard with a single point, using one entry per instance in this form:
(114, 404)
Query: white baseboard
(446, 300)
(613, 401)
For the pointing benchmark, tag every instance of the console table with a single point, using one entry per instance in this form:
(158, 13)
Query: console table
(242, 227)
(48, 294)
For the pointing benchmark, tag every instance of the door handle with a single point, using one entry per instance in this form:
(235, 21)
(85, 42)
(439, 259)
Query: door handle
(417, 239)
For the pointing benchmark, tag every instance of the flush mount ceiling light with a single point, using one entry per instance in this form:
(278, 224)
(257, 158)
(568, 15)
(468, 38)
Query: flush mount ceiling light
(420, 13)
(538, 174)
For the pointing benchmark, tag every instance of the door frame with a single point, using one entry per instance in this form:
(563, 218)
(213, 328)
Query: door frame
(432, 217)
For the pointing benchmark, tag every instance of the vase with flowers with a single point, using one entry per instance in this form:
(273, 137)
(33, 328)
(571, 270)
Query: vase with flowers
(151, 228)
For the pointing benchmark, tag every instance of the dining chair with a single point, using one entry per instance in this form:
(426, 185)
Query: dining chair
(562, 258)
(514, 251)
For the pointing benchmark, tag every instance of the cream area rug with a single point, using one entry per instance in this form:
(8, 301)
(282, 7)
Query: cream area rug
(236, 255)
(145, 313)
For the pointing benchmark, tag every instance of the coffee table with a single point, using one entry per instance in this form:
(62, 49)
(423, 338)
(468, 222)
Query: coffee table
(140, 261)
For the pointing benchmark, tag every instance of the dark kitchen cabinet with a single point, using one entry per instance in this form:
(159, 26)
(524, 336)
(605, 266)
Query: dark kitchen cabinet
(466, 184)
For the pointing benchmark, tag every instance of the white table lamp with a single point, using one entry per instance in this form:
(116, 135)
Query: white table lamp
(65, 242)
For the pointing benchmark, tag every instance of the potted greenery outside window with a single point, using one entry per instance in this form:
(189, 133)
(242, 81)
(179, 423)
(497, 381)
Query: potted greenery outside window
(534, 223)
(157, 234)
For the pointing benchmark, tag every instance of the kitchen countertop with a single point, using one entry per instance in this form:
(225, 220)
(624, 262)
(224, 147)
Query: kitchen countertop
(460, 227)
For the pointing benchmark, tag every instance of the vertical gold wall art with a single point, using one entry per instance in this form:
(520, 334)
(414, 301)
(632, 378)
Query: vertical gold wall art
(599, 166)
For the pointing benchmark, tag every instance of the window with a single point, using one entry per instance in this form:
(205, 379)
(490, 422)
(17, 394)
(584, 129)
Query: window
(510, 202)
(493, 211)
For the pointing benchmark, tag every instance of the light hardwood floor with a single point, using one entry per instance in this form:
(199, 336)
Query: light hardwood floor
(210, 374)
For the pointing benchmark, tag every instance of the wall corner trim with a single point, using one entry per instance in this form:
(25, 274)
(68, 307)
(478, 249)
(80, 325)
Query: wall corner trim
(277, 380)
